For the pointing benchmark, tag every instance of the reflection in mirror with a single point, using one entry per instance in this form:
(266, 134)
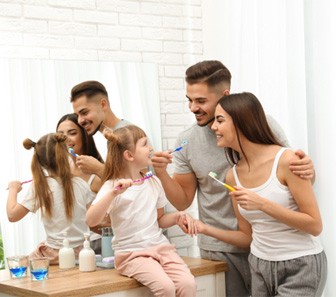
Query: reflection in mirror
(36, 93)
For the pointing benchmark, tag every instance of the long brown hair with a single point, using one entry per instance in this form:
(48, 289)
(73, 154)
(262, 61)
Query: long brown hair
(51, 155)
(120, 140)
(88, 143)
(249, 118)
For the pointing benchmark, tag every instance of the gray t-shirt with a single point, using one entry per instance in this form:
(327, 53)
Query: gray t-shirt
(122, 123)
(101, 142)
(201, 156)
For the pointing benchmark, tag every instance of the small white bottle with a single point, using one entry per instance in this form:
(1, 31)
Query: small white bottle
(66, 255)
(87, 257)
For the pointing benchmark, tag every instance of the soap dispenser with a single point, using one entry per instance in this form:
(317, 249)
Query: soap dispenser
(87, 257)
(66, 255)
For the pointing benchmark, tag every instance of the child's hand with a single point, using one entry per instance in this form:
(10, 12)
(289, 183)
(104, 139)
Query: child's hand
(15, 185)
(122, 185)
(186, 223)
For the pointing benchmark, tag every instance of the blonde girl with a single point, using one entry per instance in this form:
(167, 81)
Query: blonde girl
(136, 208)
(62, 198)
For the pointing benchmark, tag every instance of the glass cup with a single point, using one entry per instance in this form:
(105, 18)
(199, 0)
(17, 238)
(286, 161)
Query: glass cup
(39, 268)
(17, 266)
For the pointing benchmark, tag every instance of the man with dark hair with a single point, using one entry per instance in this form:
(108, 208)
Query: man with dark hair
(207, 82)
(91, 105)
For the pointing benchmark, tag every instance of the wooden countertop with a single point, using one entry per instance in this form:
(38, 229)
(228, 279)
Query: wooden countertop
(72, 282)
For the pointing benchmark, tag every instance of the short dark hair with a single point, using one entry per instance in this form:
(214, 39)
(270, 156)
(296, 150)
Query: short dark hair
(89, 89)
(211, 72)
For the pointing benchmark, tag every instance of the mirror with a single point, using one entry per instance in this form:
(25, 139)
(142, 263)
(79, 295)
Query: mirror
(36, 93)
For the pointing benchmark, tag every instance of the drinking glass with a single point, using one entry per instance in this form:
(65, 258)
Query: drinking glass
(17, 266)
(39, 268)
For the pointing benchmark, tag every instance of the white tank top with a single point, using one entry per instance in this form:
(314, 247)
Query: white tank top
(273, 240)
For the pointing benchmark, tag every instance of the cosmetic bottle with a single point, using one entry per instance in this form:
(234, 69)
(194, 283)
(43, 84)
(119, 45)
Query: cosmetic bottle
(66, 255)
(106, 242)
(87, 257)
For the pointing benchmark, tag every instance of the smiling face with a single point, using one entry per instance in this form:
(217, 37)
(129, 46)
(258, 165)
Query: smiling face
(202, 102)
(74, 135)
(224, 129)
(143, 153)
(90, 113)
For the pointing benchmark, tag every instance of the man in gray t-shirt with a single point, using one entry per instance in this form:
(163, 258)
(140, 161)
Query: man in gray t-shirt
(207, 82)
(91, 104)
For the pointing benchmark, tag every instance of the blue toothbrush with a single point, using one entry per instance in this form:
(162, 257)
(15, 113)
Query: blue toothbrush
(72, 152)
(184, 142)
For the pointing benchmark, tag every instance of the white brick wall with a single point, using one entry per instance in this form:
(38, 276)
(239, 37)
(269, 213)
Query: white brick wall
(167, 32)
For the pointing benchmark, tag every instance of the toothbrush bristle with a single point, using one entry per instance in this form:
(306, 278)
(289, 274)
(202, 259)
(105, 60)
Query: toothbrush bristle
(213, 174)
(72, 152)
(149, 174)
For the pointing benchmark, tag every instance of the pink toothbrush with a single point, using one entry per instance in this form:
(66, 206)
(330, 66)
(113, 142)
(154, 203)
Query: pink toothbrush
(25, 182)
(148, 175)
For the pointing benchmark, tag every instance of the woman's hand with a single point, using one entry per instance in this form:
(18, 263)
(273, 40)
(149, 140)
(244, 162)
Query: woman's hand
(247, 199)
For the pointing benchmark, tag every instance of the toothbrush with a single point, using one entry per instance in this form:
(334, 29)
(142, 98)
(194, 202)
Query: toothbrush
(148, 175)
(214, 176)
(184, 142)
(72, 152)
(25, 182)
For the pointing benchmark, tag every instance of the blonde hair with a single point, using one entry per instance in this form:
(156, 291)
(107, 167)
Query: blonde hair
(119, 141)
(51, 154)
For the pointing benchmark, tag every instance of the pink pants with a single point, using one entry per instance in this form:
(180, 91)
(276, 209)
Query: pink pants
(159, 268)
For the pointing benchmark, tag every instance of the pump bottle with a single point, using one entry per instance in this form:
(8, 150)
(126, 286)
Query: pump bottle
(66, 255)
(87, 257)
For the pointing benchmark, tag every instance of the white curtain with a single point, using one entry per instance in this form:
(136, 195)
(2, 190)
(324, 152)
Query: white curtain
(283, 51)
(36, 93)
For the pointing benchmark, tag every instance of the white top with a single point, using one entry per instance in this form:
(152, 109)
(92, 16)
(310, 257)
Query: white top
(273, 240)
(93, 235)
(200, 156)
(134, 215)
(55, 226)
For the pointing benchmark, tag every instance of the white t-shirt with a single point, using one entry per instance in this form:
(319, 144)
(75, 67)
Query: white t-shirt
(134, 215)
(58, 224)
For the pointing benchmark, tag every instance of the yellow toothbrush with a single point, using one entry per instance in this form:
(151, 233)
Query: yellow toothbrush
(214, 176)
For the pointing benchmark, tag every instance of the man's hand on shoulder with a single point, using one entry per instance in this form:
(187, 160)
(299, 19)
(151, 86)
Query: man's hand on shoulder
(303, 167)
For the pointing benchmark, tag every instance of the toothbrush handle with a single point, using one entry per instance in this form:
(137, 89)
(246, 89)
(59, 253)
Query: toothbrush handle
(139, 180)
(24, 182)
(134, 181)
(231, 189)
(27, 181)
(176, 150)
